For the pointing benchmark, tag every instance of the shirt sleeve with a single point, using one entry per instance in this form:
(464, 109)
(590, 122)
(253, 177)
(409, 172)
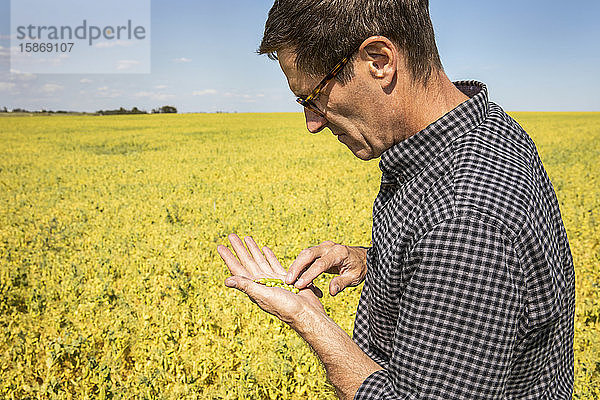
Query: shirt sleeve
(458, 316)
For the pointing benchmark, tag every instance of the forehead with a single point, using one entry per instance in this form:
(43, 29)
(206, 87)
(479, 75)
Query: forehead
(300, 83)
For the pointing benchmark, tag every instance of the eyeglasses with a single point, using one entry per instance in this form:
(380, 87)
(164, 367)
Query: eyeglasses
(308, 101)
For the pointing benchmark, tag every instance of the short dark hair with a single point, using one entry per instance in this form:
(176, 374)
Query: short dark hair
(322, 32)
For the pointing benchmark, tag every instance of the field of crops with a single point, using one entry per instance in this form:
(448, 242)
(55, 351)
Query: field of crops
(110, 283)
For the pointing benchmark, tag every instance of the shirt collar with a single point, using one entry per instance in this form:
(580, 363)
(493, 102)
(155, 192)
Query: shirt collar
(405, 159)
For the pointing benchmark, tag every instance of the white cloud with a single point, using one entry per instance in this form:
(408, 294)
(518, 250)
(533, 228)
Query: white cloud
(238, 95)
(123, 65)
(26, 60)
(85, 80)
(160, 87)
(182, 60)
(203, 92)
(245, 97)
(51, 88)
(155, 96)
(16, 75)
(113, 43)
(105, 91)
(6, 86)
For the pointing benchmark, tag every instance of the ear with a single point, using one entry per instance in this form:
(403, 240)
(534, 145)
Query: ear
(382, 59)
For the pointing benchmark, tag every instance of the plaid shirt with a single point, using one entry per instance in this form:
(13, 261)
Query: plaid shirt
(470, 286)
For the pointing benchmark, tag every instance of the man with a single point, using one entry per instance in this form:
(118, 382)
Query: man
(469, 283)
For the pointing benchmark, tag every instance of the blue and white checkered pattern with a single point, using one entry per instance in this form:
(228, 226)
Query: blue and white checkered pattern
(470, 286)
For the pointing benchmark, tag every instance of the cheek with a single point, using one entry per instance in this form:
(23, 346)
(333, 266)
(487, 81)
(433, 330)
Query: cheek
(343, 113)
(350, 103)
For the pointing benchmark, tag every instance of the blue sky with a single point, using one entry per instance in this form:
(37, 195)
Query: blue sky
(533, 55)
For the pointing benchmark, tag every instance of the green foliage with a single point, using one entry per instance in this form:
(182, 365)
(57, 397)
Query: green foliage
(110, 283)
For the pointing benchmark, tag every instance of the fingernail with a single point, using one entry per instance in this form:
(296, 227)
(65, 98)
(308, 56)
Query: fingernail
(288, 278)
(336, 289)
(299, 282)
(230, 283)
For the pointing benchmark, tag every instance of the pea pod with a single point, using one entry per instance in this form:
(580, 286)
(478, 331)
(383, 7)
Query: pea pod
(274, 282)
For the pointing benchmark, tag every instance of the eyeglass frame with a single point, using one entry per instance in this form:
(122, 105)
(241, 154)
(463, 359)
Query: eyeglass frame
(308, 101)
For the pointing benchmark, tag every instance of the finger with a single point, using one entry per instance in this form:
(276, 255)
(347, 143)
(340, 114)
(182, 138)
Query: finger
(254, 290)
(304, 259)
(245, 258)
(272, 259)
(317, 268)
(270, 299)
(341, 282)
(232, 262)
(258, 256)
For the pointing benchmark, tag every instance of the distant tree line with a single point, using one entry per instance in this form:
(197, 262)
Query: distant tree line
(121, 110)
(165, 110)
(22, 110)
(135, 110)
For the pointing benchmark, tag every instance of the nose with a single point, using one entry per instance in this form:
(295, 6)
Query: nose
(314, 122)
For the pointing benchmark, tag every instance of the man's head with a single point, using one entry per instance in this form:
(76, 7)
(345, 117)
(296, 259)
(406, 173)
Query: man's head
(393, 53)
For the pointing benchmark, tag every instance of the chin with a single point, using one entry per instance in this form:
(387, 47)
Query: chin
(363, 154)
(360, 152)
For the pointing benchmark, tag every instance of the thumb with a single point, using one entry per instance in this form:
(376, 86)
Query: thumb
(339, 283)
(246, 285)
(238, 282)
(231, 282)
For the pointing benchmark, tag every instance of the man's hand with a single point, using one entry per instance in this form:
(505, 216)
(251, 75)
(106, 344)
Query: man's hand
(288, 307)
(349, 262)
(346, 364)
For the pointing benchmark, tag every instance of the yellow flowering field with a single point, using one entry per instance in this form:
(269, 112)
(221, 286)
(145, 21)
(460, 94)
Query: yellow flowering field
(110, 283)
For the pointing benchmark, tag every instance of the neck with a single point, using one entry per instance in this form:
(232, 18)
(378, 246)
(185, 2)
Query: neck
(424, 104)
